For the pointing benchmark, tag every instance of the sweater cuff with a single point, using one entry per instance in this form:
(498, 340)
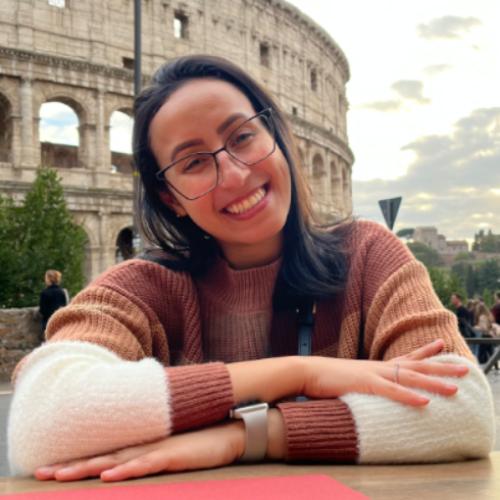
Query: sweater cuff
(320, 430)
(200, 395)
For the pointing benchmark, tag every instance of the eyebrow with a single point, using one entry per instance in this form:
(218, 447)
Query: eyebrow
(196, 142)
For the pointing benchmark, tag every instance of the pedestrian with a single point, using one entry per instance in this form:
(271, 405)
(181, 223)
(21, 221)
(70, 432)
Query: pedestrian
(52, 297)
(170, 351)
(495, 310)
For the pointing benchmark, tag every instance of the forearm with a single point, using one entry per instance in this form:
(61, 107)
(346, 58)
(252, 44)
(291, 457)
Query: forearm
(269, 379)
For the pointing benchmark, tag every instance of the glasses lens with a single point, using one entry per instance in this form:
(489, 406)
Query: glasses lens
(253, 140)
(193, 176)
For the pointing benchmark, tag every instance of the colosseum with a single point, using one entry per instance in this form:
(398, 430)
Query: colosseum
(81, 54)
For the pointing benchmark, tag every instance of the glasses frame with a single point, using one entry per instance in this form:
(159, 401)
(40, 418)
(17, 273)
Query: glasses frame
(160, 175)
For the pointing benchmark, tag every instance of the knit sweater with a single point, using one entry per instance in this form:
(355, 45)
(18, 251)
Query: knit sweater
(141, 353)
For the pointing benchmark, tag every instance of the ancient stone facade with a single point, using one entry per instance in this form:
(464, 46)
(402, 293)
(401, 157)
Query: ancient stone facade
(81, 54)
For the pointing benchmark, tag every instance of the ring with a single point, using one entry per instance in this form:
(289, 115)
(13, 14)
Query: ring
(396, 373)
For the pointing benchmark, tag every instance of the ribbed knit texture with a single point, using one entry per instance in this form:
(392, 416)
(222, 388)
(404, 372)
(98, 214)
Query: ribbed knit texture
(199, 397)
(319, 430)
(139, 309)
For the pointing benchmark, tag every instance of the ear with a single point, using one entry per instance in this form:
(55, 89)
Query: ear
(171, 201)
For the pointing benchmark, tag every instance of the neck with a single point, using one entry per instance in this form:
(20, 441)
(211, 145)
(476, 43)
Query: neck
(242, 256)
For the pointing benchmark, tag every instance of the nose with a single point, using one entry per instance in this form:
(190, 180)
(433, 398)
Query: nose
(232, 173)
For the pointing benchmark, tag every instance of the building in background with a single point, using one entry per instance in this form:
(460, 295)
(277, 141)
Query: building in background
(428, 235)
(80, 55)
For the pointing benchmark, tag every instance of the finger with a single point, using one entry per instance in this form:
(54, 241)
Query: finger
(437, 369)
(138, 467)
(47, 472)
(426, 351)
(435, 385)
(85, 468)
(399, 393)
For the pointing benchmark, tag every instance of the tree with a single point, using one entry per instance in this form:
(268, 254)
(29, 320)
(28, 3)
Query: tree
(445, 284)
(427, 255)
(406, 233)
(42, 235)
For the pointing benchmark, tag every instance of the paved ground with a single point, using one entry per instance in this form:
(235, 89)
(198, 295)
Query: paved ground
(493, 377)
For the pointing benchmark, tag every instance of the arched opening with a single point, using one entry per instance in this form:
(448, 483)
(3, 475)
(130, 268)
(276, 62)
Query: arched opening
(318, 167)
(59, 135)
(124, 245)
(5, 129)
(319, 184)
(336, 184)
(121, 124)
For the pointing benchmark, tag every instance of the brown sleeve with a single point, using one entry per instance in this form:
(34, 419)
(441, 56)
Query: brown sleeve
(401, 309)
(320, 430)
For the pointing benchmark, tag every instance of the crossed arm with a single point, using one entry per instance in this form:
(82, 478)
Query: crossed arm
(130, 418)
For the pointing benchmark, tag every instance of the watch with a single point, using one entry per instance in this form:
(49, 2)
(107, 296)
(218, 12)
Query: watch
(254, 415)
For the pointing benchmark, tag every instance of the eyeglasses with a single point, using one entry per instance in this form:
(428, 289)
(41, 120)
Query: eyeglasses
(197, 174)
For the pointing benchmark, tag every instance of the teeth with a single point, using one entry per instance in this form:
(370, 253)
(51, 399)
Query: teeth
(248, 203)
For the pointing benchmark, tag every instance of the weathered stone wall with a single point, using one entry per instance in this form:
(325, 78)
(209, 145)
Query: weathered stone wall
(20, 333)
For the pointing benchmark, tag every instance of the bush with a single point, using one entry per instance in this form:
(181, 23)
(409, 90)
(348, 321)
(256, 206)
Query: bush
(36, 236)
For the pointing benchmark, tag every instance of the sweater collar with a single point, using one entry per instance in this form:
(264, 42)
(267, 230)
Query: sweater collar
(240, 289)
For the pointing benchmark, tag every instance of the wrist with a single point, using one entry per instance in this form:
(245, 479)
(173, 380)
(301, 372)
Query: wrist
(276, 435)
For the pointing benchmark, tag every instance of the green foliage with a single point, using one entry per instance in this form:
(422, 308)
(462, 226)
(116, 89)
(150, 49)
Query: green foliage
(480, 278)
(406, 233)
(427, 255)
(445, 283)
(464, 256)
(37, 236)
(486, 242)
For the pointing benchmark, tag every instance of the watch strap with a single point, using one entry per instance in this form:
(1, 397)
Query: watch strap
(255, 418)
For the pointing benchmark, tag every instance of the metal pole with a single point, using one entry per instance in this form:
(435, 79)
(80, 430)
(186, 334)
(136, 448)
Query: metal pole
(137, 241)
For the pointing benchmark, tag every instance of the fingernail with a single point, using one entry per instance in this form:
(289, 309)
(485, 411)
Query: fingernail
(451, 387)
(423, 400)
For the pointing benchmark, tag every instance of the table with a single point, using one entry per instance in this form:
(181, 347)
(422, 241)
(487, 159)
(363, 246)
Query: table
(471, 480)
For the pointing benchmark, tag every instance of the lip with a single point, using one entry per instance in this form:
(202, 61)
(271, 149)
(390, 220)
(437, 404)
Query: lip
(252, 211)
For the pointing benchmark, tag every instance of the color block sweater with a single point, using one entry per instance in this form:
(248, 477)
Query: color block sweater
(141, 352)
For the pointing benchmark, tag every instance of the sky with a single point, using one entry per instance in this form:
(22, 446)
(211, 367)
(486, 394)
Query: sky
(424, 117)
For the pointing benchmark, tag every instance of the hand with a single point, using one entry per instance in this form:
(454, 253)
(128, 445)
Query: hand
(202, 449)
(394, 379)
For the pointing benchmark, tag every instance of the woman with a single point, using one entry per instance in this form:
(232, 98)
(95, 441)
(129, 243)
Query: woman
(52, 297)
(173, 342)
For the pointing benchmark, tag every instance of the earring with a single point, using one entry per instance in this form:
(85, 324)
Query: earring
(206, 236)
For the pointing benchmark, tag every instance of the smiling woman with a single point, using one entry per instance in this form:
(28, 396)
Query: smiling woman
(166, 351)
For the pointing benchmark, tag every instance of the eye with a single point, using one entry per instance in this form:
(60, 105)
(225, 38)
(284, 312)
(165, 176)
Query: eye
(242, 138)
(195, 164)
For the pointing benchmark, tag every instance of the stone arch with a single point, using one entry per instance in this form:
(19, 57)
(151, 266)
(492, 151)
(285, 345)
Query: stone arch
(60, 152)
(319, 178)
(318, 166)
(121, 149)
(336, 182)
(124, 244)
(6, 129)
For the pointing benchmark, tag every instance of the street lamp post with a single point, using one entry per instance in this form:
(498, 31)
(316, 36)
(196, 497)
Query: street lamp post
(137, 241)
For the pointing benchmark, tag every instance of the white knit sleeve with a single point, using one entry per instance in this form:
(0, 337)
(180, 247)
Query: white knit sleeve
(75, 399)
(447, 429)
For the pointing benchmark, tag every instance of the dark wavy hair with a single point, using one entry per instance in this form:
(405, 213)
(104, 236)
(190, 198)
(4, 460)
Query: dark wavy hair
(314, 262)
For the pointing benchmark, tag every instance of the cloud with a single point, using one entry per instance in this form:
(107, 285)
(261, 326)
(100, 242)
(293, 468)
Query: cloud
(58, 124)
(410, 89)
(453, 178)
(436, 69)
(447, 27)
(120, 134)
(390, 105)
